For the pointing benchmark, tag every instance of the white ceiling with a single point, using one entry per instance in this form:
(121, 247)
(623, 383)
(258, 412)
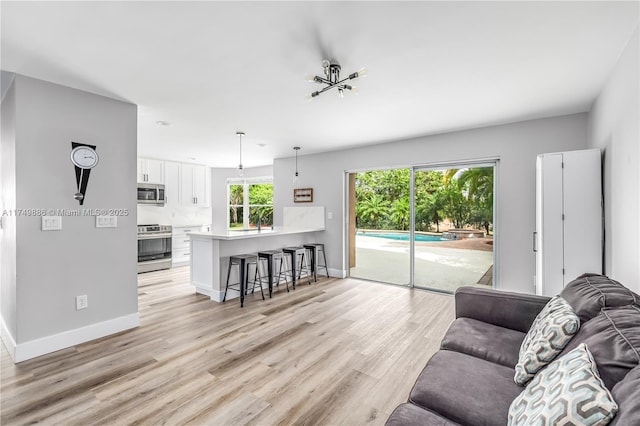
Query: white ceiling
(212, 68)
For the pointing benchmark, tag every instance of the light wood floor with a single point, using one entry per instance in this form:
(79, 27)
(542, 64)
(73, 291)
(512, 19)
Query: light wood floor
(336, 352)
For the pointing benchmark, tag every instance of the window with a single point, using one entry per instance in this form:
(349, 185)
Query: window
(250, 203)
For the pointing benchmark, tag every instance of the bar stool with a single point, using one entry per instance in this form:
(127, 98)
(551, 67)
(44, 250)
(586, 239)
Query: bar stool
(243, 261)
(272, 256)
(314, 251)
(296, 255)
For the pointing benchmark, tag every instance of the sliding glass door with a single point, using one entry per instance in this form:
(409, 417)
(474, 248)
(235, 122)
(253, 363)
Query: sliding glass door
(379, 226)
(428, 227)
(453, 222)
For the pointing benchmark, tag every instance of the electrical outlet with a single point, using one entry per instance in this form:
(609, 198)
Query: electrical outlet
(51, 223)
(106, 221)
(82, 302)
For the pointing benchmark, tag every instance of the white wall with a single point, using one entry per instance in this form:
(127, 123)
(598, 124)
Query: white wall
(614, 123)
(517, 146)
(219, 177)
(55, 266)
(8, 228)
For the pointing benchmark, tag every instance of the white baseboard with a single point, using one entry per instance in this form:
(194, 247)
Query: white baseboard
(217, 296)
(66, 339)
(7, 339)
(202, 289)
(337, 273)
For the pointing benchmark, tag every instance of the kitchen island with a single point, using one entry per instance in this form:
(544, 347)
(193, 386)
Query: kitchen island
(210, 253)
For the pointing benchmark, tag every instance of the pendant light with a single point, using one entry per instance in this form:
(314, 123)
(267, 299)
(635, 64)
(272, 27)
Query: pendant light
(240, 168)
(296, 175)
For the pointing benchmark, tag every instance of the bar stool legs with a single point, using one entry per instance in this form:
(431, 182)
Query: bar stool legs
(296, 260)
(270, 256)
(314, 251)
(243, 261)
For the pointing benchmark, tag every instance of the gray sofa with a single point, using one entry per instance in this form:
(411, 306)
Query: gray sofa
(470, 380)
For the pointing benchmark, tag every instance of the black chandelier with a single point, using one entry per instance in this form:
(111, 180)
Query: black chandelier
(332, 79)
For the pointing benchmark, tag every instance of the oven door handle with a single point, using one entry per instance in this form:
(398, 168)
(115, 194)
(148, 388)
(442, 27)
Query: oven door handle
(153, 236)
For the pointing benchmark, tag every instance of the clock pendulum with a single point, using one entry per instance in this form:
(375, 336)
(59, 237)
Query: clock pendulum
(84, 157)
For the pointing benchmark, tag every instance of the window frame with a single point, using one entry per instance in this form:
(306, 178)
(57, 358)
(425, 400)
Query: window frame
(246, 207)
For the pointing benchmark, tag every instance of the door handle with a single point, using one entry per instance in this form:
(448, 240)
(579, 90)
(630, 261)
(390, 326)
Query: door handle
(535, 239)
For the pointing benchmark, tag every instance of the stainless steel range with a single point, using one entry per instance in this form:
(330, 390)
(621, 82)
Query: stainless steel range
(154, 247)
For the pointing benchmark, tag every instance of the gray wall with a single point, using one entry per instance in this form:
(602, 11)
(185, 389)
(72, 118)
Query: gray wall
(516, 145)
(614, 127)
(55, 266)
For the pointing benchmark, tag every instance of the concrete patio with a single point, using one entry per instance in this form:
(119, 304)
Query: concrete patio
(437, 267)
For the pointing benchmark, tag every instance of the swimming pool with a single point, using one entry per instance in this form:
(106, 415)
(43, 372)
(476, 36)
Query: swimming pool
(401, 236)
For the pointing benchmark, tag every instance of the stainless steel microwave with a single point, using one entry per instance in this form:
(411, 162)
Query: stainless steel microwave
(151, 193)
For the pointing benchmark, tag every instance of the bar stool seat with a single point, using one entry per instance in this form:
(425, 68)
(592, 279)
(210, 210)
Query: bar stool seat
(297, 261)
(314, 250)
(243, 261)
(271, 256)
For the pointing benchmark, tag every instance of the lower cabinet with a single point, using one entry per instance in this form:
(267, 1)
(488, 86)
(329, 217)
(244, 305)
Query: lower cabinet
(180, 246)
(180, 250)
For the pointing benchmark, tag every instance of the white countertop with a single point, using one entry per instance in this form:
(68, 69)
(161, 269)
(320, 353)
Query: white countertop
(239, 235)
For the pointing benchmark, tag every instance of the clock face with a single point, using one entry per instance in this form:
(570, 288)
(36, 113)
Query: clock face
(84, 157)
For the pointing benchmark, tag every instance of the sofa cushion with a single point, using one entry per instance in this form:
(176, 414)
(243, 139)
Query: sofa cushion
(613, 337)
(568, 391)
(589, 293)
(483, 340)
(550, 332)
(411, 415)
(627, 394)
(465, 389)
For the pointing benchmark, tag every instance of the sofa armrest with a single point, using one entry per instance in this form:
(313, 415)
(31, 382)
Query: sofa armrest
(505, 309)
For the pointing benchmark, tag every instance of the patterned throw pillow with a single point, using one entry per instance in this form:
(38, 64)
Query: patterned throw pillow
(550, 332)
(569, 392)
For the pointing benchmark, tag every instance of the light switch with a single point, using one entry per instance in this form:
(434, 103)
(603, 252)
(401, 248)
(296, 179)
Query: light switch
(329, 215)
(51, 223)
(106, 221)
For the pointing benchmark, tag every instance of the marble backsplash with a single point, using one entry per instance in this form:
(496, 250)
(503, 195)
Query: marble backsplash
(311, 217)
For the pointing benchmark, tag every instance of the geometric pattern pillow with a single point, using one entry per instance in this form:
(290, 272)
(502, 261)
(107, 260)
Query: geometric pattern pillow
(553, 304)
(550, 332)
(568, 392)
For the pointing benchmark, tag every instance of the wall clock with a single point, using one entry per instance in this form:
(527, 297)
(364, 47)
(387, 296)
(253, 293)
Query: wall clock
(84, 158)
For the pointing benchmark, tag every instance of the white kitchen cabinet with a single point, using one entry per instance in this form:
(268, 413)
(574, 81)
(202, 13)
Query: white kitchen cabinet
(172, 183)
(568, 237)
(195, 185)
(150, 171)
(180, 251)
(180, 243)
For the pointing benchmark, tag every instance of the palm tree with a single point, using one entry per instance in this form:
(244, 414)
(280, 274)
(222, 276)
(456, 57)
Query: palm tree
(400, 214)
(373, 208)
(479, 182)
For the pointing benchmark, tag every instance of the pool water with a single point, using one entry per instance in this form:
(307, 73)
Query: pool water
(401, 236)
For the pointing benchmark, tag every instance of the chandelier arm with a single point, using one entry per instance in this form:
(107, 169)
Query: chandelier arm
(323, 80)
(343, 80)
(326, 88)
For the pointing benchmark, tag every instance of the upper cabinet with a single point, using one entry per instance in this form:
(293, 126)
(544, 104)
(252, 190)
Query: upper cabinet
(185, 184)
(150, 171)
(195, 184)
(172, 183)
